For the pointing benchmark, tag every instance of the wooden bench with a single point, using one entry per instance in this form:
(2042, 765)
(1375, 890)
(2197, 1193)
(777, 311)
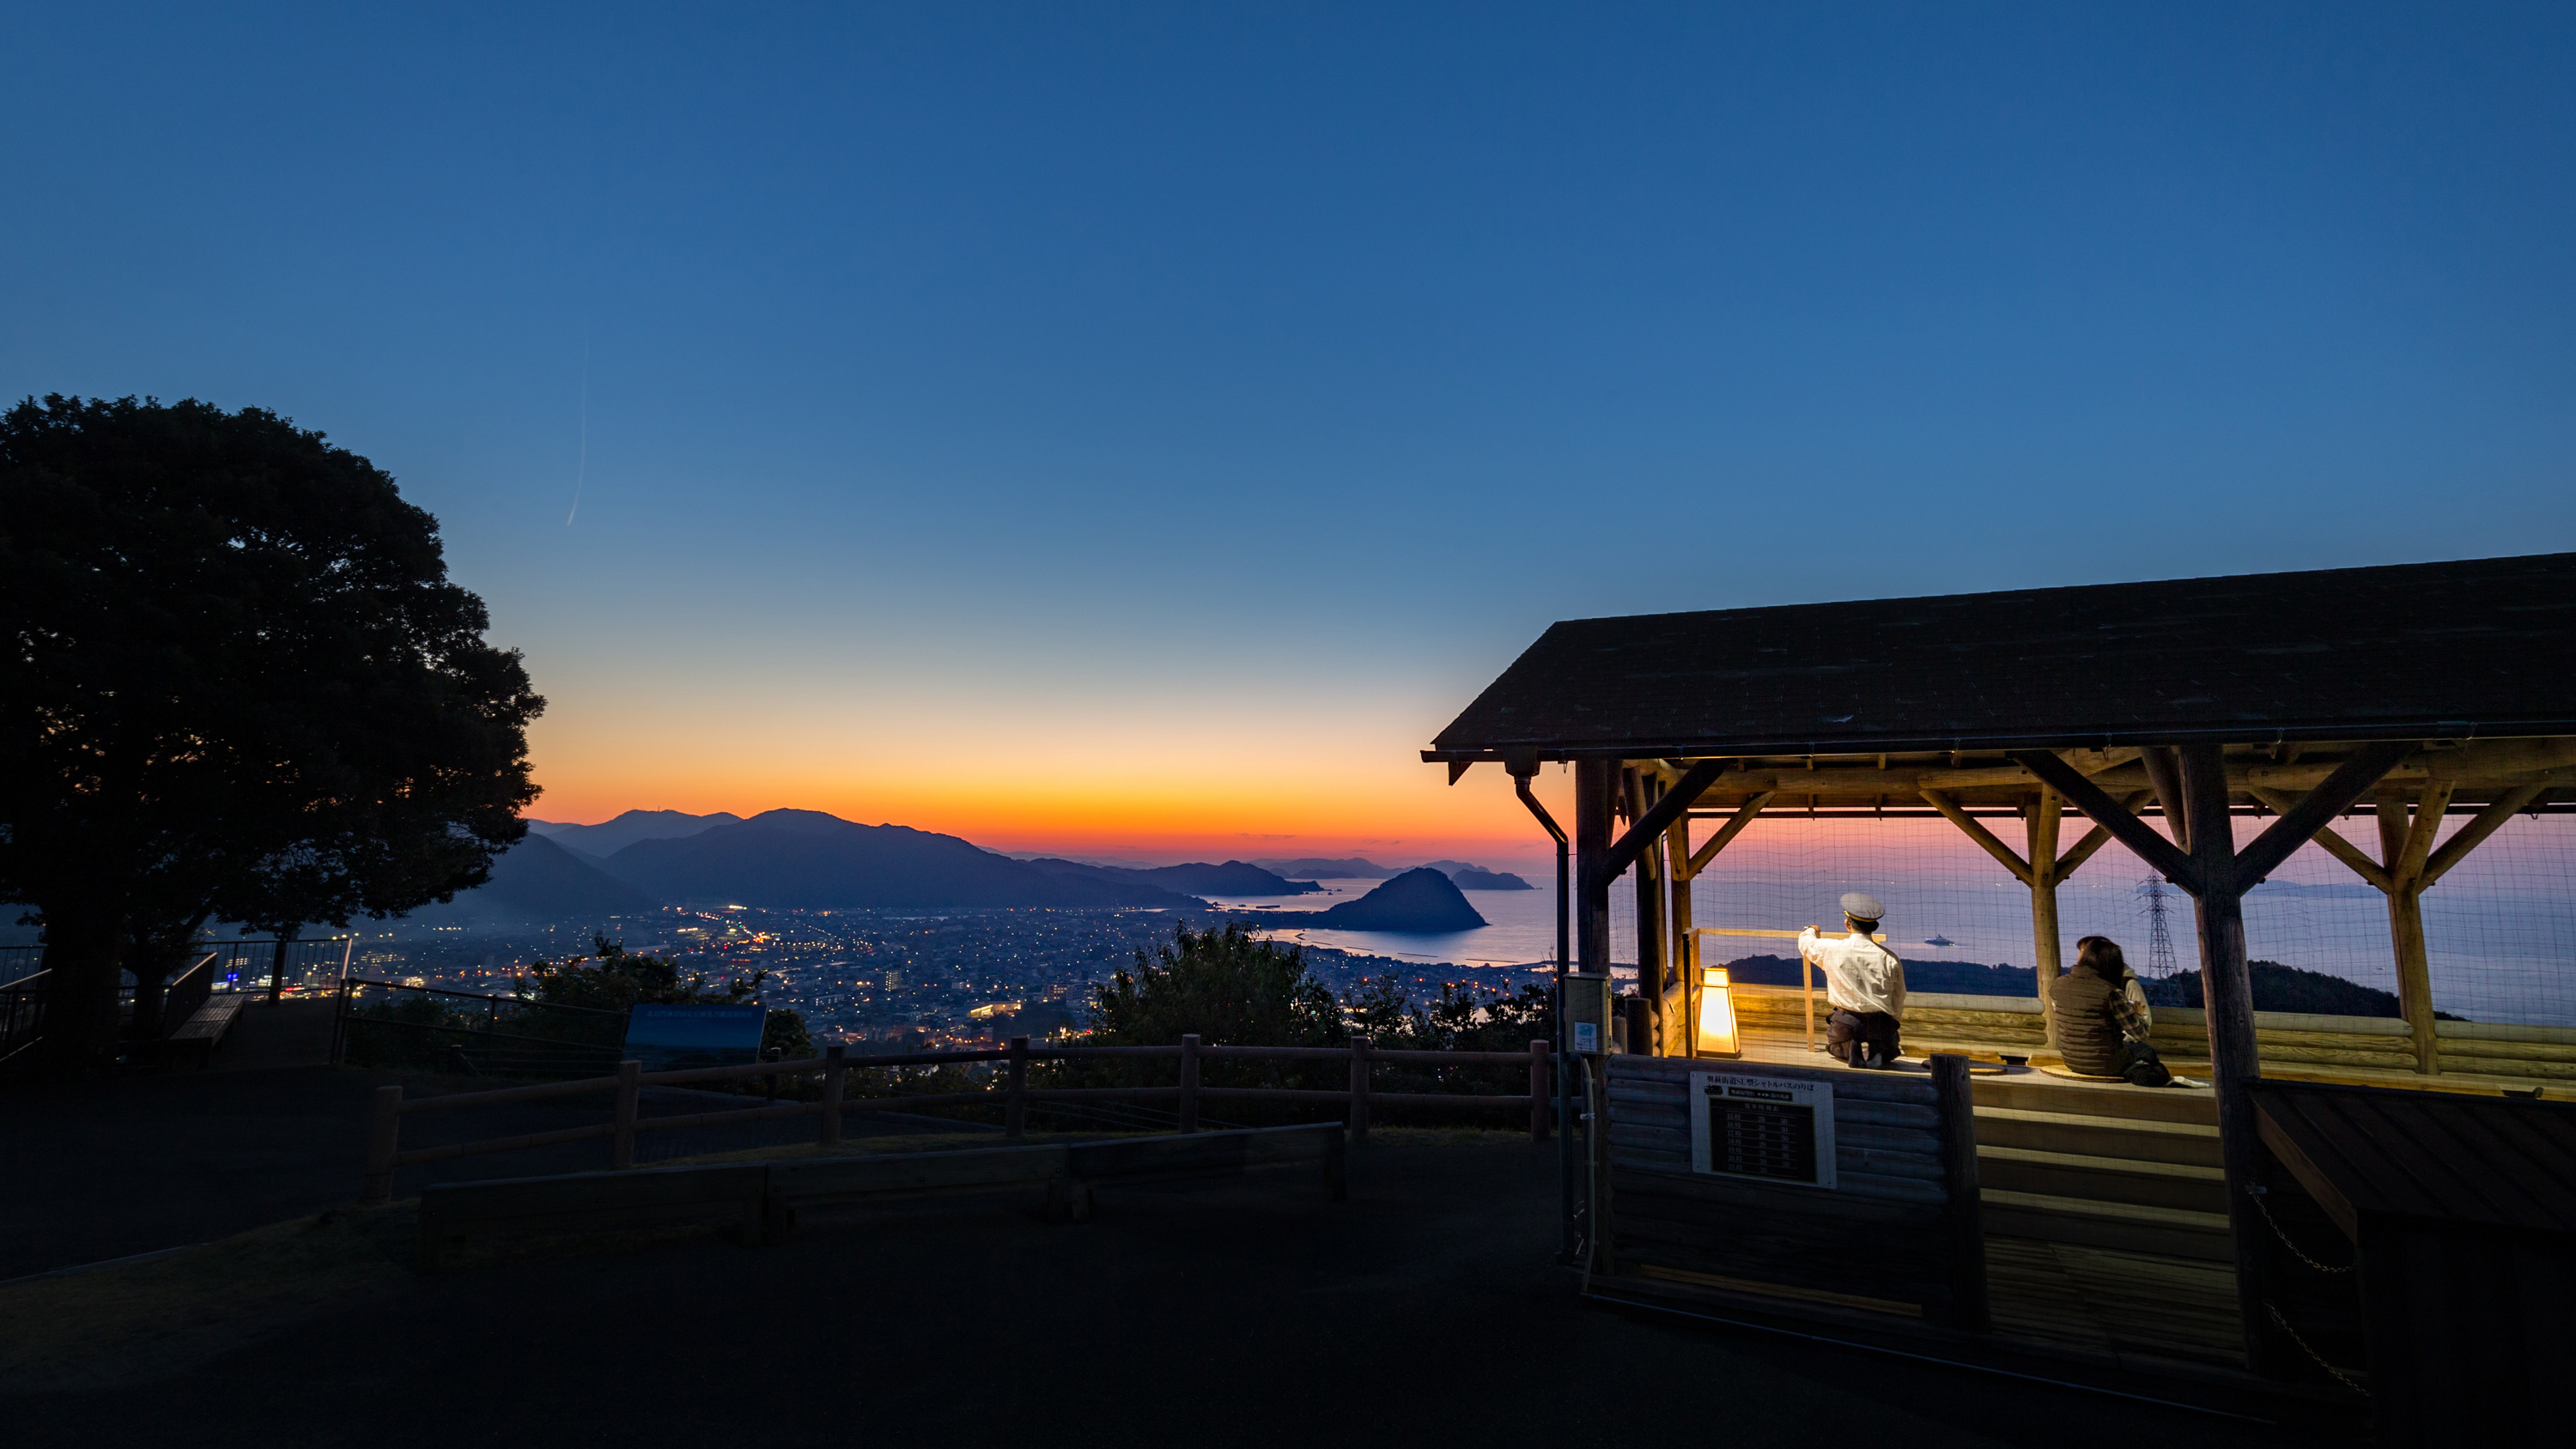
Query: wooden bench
(1203, 1155)
(1068, 1173)
(204, 1030)
(842, 1181)
(451, 1212)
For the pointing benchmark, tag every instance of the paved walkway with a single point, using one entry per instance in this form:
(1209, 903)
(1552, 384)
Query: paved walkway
(96, 1170)
(1423, 1311)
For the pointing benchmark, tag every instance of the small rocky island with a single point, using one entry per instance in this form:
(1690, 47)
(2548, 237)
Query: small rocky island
(1420, 901)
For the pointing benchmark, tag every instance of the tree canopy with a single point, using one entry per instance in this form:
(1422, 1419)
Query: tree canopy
(616, 979)
(239, 684)
(1222, 983)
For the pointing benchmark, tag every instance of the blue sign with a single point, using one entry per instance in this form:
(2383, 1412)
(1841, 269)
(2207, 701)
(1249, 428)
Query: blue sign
(677, 1038)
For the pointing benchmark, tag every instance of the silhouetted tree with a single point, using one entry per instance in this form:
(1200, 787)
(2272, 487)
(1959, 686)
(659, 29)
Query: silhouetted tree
(238, 684)
(614, 978)
(1225, 985)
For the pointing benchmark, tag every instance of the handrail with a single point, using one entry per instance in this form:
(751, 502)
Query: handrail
(479, 996)
(385, 1153)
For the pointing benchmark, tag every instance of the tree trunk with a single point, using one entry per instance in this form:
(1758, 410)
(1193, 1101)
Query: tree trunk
(85, 952)
(154, 958)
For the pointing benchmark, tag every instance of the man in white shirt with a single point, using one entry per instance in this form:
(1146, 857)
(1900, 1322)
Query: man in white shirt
(1864, 984)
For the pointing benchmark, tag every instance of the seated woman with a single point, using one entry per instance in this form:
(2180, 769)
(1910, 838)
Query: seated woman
(2100, 1028)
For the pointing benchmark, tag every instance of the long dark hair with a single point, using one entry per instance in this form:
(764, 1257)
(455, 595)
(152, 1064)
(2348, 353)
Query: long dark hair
(2101, 956)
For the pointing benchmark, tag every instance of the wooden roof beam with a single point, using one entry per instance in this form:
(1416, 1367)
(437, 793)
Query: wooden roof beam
(1653, 820)
(1744, 816)
(2470, 836)
(1968, 824)
(2329, 840)
(2351, 780)
(2158, 852)
(2095, 838)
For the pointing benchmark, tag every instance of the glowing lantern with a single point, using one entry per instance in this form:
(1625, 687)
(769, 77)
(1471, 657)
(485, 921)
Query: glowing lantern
(1716, 1016)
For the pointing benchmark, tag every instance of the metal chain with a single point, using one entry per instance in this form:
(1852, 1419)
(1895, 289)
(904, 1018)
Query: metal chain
(2341, 1377)
(2266, 1210)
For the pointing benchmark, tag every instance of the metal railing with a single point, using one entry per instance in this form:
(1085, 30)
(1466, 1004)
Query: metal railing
(22, 1013)
(426, 1028)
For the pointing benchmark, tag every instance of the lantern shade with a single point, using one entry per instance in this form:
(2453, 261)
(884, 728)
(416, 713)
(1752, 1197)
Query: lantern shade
(1715, 1034)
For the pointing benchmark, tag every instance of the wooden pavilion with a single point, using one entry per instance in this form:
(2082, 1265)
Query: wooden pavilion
(2412, 692)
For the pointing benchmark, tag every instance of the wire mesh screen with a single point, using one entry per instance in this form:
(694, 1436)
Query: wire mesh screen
(2498, 926)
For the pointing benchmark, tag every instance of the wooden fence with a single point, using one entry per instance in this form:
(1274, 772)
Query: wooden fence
(1894, 1226)
(386, 1154)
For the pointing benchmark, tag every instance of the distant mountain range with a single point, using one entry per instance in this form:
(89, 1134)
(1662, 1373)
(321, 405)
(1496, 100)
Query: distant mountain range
(796, 859)
(539, 880)
(805, 858)
(611, 836)
(1421, 901)
(1461, 874)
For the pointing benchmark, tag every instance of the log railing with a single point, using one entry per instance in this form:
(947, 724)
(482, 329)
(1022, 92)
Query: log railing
(386, 1154)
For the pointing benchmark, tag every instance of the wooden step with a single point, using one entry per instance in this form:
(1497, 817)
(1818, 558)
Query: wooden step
(2091, 1136)
(2037, 1093)
(2130, 1227)
(2103, 1179)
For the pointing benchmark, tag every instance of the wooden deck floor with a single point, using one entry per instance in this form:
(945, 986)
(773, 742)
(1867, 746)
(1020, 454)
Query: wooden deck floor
(1790, 1050)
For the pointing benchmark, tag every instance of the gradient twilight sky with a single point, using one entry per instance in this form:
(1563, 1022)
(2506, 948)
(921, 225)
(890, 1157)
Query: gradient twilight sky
(1139, 428)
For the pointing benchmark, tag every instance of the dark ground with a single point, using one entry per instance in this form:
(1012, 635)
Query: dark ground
(1426, 1309)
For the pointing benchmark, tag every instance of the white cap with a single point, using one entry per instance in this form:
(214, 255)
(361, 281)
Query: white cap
(1863, 908)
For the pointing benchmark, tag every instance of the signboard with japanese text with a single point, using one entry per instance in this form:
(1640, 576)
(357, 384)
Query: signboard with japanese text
(1775, 1129)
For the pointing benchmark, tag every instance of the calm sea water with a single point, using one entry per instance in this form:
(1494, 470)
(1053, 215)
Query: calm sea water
(2501, 929)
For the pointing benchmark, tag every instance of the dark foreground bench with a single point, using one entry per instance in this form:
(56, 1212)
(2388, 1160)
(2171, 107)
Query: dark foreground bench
(765, 1197)
(451, 1212)
(1068, 1173)
(204, 1029)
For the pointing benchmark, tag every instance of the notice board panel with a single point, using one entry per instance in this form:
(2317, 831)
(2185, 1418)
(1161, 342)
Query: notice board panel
(1775, 1129)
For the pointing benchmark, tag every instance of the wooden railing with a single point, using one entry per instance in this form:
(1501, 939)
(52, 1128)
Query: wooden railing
(385, 1152)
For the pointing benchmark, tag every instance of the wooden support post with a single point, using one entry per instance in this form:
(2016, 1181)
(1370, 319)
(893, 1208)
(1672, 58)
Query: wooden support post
(1641, 1028)
(2166, 779)
(1015, 1104)
(1359, 1087)
(1807, 994)
(1679, 944)
(836, 1072)
(2227, 995)
(384, 1143)
(1189, 1102)
(1539, 1104)
(2405, 845)
(1963, 1212)
(1591, 850)
(1654, 973)
(277, 964)
(630, 1090)
(2046, 944)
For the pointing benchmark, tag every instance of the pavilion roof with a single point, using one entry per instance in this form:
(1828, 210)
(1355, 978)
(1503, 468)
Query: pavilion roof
(2471, 649)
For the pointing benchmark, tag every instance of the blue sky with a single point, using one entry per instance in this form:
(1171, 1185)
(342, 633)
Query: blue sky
(1024, 419)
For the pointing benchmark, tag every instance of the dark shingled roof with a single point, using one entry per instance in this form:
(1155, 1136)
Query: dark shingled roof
(2476, 648)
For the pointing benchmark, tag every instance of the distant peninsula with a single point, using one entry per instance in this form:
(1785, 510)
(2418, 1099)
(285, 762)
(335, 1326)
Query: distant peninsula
(1310, 867)
(1419, 902)
(1234, 878)
(1476, 878)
